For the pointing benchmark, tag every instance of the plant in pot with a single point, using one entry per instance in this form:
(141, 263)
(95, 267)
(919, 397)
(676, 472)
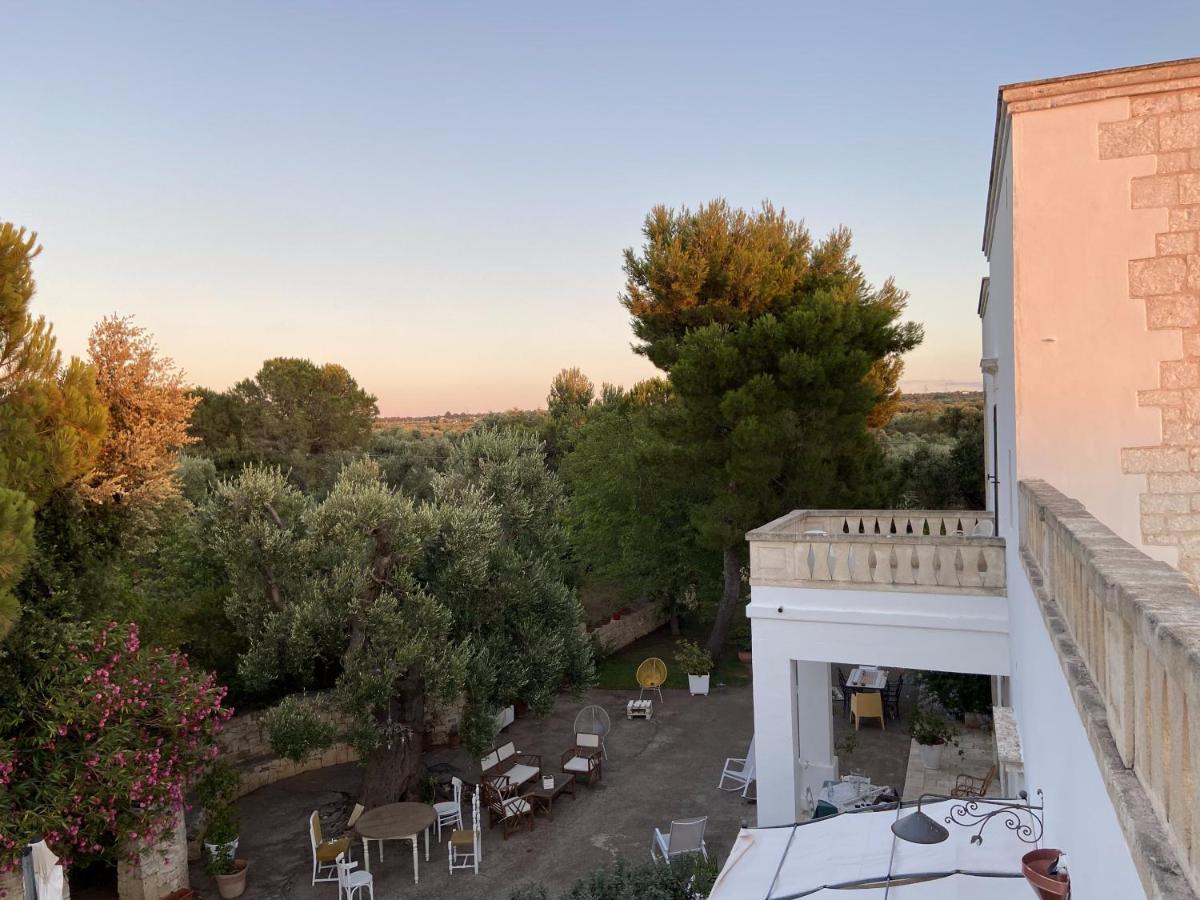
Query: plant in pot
(698, 664)
(741, 637)
(217, 793)
(932, 732)
(228, 872)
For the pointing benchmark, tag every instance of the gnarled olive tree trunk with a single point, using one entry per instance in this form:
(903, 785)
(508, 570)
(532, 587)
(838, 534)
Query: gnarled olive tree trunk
(393, 773)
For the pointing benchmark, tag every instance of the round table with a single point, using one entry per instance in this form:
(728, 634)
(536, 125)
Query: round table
(395, 822)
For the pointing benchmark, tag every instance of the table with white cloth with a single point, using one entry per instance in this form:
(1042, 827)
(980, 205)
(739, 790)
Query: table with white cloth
(867, 678)
(851, 793)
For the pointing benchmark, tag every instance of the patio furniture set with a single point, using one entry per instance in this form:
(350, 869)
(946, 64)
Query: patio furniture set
(869, 693)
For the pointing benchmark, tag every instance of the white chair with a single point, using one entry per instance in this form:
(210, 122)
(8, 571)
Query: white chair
(449, 812)
(685, 836)
(984, 528)
(324, 853)
(465, 848)
(355, 815)
(741, 771)
(351, 882)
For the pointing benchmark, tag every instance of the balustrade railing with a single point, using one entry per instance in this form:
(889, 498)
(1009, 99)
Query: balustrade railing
(945, 551)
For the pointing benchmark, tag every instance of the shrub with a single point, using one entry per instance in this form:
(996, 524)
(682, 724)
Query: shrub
(929, 728)
(684, 879)
(958, 693)
(693, 658)
(296, 728)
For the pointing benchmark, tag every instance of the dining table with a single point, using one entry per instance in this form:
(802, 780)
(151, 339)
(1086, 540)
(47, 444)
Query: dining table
(867, 678)
(395, 822)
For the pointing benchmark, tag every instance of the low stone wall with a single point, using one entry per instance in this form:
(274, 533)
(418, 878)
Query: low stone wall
(624, 631)
(158, 870)
(12, 887)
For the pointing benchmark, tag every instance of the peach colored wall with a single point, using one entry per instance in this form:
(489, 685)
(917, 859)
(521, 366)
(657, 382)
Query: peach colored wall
(1082, 348)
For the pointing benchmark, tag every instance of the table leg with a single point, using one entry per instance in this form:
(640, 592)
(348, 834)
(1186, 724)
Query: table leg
(426, 845)
(366, 855)
(416, 875)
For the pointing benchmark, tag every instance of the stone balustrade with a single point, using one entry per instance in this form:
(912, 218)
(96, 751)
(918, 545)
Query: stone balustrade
(1127, 631)
(907, 550)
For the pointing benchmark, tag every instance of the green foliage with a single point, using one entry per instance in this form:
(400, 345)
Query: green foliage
(937, 459)
(218, 786)
(296, 728)
(685, 879)
(52, 420)
(778, 351)
(221, 862)
(931, 729)
(222, 824)
(690, 657)
(408, 462)
(958, 693)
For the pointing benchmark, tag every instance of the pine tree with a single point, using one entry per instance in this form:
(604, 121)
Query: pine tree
(52, 420)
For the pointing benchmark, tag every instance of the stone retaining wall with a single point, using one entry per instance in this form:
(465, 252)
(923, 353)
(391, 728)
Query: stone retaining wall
(158, 870)
(624, 631)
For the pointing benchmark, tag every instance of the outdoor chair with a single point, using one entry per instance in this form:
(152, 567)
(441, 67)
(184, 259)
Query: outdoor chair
(324, 853)
(651, 676)
(984, 528)
(584, 758)
(516, 766)
(449, 812)
(355, 815)
(465, 848)
(351, 882)
(866, 705)
(966, 786)
(740, 771)
(891, 697)
(685, 836)
(513, 812)
(845, 690)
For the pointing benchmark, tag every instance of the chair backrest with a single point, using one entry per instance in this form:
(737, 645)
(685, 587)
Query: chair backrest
(314, 829)
(987, 780)
(867, 703)
(344, 867)
(355, 813)
(749, 769)
(587, 740)
(505, 751)
(651, 673)
(490, 761)
(686, 835)
(458, 789)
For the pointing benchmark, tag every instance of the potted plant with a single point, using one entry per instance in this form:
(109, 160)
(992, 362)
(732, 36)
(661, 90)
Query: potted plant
(228, 872)
(221, 831)
(742, 637)
(1045, 873)
(698, 664)
(932, 732)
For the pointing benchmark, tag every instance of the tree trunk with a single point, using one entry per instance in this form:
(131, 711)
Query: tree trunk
(674, 624)
(732, 568)
(394, 773)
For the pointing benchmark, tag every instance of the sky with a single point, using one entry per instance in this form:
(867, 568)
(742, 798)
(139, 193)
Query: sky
(437, 195)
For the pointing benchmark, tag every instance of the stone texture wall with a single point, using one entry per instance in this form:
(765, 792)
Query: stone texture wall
(620, 633)
(158, 870)
(1167, 126)
(12, 887)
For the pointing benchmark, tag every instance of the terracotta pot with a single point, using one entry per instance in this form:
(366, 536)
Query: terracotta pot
(616, 617)
(233, 885)
(1035, 867)
(745, 657)
(455, 739)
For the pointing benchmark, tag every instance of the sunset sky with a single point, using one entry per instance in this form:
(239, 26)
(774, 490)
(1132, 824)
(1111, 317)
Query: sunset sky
(437, 195)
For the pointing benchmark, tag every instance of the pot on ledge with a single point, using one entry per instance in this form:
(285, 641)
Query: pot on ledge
(234, 884)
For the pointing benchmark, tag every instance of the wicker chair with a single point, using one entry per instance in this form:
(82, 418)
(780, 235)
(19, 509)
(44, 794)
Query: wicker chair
(966, 786)
(585, 758)
(513, 811)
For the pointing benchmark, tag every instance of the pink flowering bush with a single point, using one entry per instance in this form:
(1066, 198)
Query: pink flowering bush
(99, 739)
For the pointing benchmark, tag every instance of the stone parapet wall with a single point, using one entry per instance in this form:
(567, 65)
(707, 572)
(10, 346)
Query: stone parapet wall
(630, 627)
(158, 870)
(1127, 632)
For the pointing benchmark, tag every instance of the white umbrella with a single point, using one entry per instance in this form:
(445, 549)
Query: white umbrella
(47, 873)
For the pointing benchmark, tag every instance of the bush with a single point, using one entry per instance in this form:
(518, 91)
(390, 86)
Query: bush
(958, 693)
(296, 729)
(693, 658)
(682, 880)
(930, 729)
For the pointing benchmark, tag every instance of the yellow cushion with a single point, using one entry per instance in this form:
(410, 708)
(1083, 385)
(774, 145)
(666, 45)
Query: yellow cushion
(463, 838)
(328, 850)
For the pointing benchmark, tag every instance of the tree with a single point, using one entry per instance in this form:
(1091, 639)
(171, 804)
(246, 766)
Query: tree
(567, 404)
(400, 601)
(149, 409)
(52, 420)
(774, 346)
(631, 496)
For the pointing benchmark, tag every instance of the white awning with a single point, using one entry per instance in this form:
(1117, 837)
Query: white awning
(858, 848)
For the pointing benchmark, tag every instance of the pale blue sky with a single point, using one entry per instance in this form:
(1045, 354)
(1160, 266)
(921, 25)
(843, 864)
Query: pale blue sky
(437, 195)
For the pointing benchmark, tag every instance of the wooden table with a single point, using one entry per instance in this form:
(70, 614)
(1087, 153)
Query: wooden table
(863, 679)
(395, 822)
(543, 798)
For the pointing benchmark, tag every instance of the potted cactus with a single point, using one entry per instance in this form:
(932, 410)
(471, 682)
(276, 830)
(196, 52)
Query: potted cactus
(698, 664)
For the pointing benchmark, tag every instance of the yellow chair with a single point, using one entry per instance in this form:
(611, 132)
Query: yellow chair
(866, 705)
(324, 853)
(651, 676)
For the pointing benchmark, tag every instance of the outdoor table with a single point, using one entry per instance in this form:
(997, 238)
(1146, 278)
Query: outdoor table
(639, 709)
(847, 795)
(543, 798)
(395, 822)
(867, 679)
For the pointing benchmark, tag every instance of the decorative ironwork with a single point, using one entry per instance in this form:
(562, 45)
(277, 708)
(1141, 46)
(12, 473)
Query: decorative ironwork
(1023, 820)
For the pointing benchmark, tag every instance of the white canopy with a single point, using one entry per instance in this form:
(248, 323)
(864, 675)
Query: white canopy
(47, 873)
(809, 859)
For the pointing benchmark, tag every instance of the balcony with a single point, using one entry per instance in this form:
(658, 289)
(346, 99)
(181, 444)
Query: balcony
(942, 551)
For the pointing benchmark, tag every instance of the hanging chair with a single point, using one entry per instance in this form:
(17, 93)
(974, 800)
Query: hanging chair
(651, 675)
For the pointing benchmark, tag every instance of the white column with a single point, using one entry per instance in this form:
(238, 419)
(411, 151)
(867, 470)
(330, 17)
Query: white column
(814, 716)
(776, 749)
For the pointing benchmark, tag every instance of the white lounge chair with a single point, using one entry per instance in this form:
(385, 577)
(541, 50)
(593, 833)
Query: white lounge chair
(685, 836)
(740, 771)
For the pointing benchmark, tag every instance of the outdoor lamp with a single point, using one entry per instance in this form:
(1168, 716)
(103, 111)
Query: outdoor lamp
(1022, 819)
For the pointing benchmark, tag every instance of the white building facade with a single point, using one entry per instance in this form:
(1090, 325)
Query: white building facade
(1075, 588)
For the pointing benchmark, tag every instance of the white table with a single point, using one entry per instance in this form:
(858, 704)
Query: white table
(639, 709)
(847, 795)
(867, 679)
